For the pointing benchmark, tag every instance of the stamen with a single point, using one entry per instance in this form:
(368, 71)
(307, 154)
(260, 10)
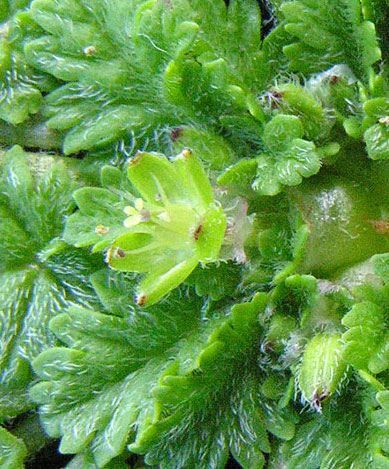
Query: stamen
(132, 221)
(139, 204)
(164, 216)
(101, 230)
(384, 120)
(130, 210)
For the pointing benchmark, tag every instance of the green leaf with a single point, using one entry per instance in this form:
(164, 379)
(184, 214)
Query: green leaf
(376, 125)
(280, 131)
(376, 11)
(239, 177)
(335, 438)
(329, 33)
(287, 159)
(299, 160)
(39, 273)
(366, 343)
(381, 266)
(288, 99)
(19, 96)
(85, 460)
(239, 424)
(218, 281)
(213, 149)
(380, 431)
(114, 290)
(377, 138)
(129, 69)
(20, 85)
(12, 451)
(245, 26)
(155, 374)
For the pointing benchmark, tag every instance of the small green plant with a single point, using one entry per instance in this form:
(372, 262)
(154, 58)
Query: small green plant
(195, 233)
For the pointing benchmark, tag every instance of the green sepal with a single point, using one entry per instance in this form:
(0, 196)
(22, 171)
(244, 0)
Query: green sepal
(193, 176)
(158, 284)
(153, 173)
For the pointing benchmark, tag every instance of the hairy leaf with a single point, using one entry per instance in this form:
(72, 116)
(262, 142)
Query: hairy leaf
(155, 374)
(329, 33)
(336, 439)
(131, 68)
(380, 431)
(367, 338)
(12, 451)
(40, 275)
(376, 135)
(20, 84)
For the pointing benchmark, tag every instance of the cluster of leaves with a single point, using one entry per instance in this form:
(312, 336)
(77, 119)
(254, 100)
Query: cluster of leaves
(244, 308)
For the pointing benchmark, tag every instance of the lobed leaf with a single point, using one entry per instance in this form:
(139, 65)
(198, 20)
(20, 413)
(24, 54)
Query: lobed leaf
(21, 86)
(40, 275)
(12, 450)
(376, 135)
(366, 340)
(115, 58)
(329, 33)
(155, 377)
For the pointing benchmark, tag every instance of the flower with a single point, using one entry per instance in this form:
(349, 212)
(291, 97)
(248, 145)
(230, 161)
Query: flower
(173, 225)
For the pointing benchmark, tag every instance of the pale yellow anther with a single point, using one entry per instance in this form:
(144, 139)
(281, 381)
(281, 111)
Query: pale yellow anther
(139, 204)
(185, 154)
(89, 51)
(384, 120)
(130, 210)
(132, 221)
(101, 230)
(164, 216)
